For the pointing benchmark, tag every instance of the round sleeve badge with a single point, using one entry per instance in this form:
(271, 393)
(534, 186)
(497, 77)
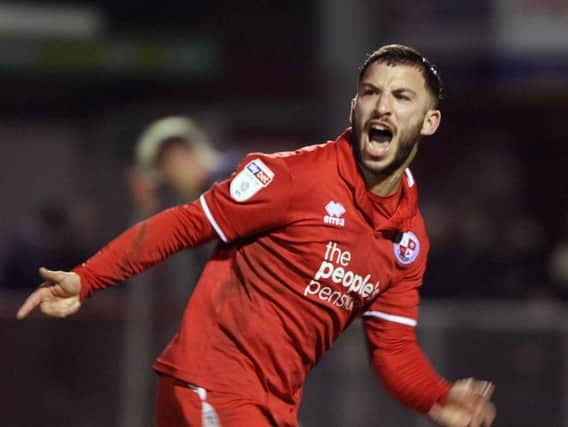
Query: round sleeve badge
(407, 249)
(253, 177)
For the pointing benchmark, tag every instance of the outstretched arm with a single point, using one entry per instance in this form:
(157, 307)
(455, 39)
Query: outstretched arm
(134, 251)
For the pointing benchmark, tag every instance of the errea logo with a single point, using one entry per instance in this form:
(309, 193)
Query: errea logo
(335, 212)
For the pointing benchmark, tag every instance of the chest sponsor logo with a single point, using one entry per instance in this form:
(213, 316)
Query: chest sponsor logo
(407, 250)
(253, 177)
(335, 212)
(336, 284)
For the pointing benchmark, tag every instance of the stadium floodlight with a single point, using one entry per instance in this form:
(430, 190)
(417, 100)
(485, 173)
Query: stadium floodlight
(33, 20)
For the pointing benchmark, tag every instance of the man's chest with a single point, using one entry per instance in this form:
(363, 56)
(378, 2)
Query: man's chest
(333, 255)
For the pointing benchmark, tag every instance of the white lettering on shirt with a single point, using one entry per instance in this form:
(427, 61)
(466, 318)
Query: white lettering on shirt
(333, 270)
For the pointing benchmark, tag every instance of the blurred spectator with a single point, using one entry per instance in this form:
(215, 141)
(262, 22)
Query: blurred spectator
(174, 162)
(174, 154)
(53, 238)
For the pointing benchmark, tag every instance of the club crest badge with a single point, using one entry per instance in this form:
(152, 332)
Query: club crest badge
(253, 177)
(406, 251)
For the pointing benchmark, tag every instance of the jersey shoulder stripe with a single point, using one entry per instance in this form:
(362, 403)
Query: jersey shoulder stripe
(211, 219)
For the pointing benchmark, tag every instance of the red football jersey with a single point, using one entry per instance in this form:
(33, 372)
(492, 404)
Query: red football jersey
(305, 250)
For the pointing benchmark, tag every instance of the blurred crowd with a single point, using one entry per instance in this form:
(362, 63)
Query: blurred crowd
(486, 241)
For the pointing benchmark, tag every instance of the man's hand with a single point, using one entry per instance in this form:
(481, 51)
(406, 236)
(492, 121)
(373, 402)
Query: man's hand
(468, 404)
(57, 296)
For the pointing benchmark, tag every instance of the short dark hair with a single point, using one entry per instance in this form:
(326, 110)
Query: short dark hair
(398, 54)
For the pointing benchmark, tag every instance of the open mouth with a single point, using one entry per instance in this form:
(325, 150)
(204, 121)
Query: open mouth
(380, 134)
(380, 138)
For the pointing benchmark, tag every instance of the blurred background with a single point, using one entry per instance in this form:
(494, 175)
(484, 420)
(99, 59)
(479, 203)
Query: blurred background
(80, 81)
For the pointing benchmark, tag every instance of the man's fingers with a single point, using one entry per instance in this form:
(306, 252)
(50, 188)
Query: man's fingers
(483, 415)
(52, 276)
(59, 310)
(476, 418)
(39, 295)
(451, 415)
(31, 302)
(57, 296)
(489, 415)
(486, 389)
(468, 399)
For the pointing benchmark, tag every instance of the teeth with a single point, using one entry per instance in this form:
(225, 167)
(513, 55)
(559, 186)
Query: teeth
(379, 127)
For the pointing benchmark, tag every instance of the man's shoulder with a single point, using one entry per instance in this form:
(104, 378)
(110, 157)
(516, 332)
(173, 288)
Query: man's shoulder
(420, 229)
(310, 163)
(309, 158)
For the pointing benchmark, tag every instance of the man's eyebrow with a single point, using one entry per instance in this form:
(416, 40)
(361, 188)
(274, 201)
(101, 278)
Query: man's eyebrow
(368, 85)
(405, 89)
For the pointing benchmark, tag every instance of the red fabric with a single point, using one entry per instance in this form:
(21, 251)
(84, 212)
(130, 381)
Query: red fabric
(179, 406)
(387, 205)
(307, 252)
(404, 370)
(144, 245)
(394, 353)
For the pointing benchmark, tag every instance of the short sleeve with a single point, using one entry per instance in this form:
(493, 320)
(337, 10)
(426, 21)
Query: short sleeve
(254, 199)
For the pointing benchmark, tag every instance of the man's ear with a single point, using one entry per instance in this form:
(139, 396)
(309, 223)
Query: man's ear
(351, 108)
(431, 122)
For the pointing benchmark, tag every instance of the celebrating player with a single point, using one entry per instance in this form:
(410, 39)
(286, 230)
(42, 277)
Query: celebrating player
(309, 241)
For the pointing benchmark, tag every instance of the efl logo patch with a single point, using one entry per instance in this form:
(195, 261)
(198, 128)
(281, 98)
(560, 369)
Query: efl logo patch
(408, 249)
(256, 168)
(254, 176)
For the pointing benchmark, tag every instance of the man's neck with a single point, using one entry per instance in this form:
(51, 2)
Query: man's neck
(386, 185)
(383, 186)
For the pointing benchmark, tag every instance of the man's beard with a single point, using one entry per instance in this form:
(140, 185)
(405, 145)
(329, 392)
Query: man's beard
(405, 148)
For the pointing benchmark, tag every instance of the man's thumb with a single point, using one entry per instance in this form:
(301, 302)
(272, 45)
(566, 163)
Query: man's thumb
(50, 275)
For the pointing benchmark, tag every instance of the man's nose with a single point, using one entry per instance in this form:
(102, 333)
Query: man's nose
(383, 105)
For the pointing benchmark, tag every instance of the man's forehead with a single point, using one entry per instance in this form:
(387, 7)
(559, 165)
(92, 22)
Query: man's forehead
(398, 74)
